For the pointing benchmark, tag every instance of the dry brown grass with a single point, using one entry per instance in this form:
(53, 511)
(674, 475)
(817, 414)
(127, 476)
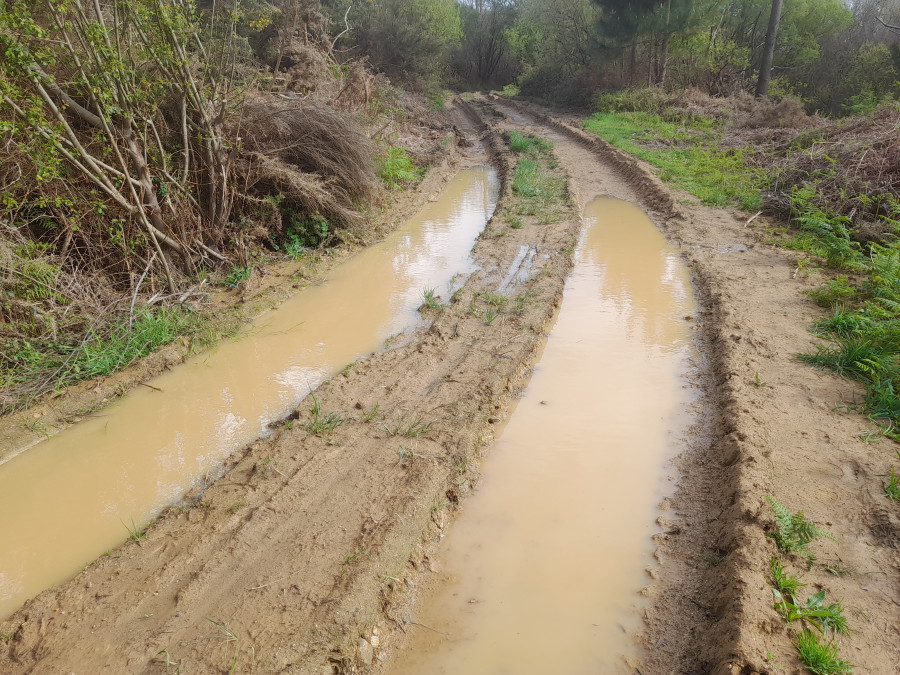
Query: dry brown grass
(315, 157)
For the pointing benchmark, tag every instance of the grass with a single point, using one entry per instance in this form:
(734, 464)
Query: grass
(396, 170)
(402, 426)
(321, 422)
(101, 352)
(432, 300)
(490, 315)
(820, 657)
(785, 583)
(892, 487)
(687, 155)
(528, 145)
(792, 532)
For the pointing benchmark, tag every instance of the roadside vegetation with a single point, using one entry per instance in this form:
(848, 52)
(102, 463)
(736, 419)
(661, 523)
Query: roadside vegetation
(819, 622)
(153, 151)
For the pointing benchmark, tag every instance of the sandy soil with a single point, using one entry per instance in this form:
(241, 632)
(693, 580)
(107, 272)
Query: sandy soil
(318, 570)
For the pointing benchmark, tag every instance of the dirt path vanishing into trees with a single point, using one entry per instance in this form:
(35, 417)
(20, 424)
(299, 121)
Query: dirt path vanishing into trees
(320, 570)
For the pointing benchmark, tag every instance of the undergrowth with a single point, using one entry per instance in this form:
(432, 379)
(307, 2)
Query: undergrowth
(687, 153)
(46, 362)
(793, 532)
(396, 169)
(542, 192)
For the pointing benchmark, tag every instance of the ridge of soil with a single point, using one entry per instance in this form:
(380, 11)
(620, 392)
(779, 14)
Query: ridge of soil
(772, 428)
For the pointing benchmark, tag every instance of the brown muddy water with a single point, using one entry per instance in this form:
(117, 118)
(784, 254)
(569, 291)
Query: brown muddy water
(541, 572)
(68, 499)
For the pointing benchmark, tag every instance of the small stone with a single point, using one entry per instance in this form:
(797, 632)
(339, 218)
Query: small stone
(366, 651)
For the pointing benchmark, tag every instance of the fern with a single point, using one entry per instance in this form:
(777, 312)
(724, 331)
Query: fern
(793, 533)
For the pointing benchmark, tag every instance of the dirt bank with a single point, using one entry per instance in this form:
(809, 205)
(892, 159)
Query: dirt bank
(307, 555)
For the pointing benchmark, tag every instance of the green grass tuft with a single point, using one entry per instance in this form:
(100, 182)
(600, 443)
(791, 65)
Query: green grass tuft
(820, 657)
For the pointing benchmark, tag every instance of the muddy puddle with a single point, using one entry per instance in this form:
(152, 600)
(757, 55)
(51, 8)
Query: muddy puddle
(72, 497)
(541, 573)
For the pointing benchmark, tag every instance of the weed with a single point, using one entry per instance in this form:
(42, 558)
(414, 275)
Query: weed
(237, 506)
(370, 414)
(396, 169)
(787, 584)
(815, 611)
(837, 567)
(354, 557)
(490, 314)
(793, 533)
(432, 300)
(494, 299)
(759, 382)
(237, 275)
(134, 532)
(516, 223)
(834, 294)
(713, 560)
(820, 657)
(165, 658)
(403, 427)
(892, 487)
(321, 422)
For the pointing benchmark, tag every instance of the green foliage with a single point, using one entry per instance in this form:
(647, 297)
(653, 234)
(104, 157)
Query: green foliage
(409, 40)
(396, 169)
(792, 532)
(820, 657)
(529, 145)
(892, 487)
(786, 583)
(321, 422)
(237, 275)
(685, 151)
(815, 611)
(834, 293)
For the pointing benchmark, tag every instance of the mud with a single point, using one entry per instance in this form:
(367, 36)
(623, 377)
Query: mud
(542, 571)
(318, 567)
(223, 399)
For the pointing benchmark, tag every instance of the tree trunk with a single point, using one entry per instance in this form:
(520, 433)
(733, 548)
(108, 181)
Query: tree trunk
(765, 67)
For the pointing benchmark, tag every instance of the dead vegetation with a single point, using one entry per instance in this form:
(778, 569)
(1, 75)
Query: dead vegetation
(184, 191)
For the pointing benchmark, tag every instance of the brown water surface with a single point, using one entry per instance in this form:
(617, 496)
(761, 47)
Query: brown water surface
(68, 499)
(545, 562)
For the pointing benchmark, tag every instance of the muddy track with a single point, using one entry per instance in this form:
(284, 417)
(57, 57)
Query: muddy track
(318, 570)
(329, 528)
(770, 426)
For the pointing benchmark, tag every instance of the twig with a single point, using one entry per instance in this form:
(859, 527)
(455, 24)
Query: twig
(138, 288)
(149, 386)
(416, 623)
(752, 218)
(256, 588)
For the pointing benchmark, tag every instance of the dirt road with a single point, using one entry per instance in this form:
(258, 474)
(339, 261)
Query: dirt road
(318, 571)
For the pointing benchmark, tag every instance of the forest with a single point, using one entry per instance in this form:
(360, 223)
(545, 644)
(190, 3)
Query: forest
(838, 57)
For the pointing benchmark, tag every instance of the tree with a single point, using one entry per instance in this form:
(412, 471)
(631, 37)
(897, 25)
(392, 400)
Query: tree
(768, 55)
(409, 40)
